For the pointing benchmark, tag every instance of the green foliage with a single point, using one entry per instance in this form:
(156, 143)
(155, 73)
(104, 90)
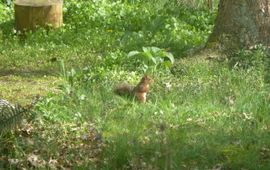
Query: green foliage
(202, 115)
(248, 59)
(104, 28)
(210, 111)
(152, 58)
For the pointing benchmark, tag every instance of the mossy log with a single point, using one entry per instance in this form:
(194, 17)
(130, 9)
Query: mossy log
(30, 14)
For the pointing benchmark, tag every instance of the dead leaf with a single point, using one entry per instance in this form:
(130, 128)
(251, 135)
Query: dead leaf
(35, 161)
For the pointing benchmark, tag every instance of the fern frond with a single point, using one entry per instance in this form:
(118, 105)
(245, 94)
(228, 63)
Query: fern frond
(10, 115)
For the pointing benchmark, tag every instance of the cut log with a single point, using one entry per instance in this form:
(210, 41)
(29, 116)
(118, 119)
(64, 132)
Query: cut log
(29, 14)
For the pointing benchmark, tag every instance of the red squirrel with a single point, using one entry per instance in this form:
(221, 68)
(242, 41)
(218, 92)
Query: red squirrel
(139, 91)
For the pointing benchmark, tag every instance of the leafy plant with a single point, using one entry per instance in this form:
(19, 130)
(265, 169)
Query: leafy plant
(182, 124)
(249, 58)
(10, 115)
(153, 58)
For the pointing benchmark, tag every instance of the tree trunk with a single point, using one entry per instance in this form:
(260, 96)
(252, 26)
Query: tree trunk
(243, 23)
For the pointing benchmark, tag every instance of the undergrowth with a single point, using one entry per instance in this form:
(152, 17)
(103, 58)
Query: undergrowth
(200, 114)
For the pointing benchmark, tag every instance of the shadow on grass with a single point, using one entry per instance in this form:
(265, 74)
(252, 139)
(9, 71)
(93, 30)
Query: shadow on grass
(27, 73)
(188, 146)
(188, 149)
(7, 28)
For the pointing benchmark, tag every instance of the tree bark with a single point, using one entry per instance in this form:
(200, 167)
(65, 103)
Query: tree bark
(32, 13)
(243, 23)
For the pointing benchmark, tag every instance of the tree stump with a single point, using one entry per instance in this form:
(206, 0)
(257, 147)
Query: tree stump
(29, 14)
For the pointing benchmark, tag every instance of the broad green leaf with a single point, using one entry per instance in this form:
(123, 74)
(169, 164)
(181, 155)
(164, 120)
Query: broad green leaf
(167, 64)
(147, 55)
(154, 60)
(133, 53)
(170, 56)
(147, 49)
(155, 49)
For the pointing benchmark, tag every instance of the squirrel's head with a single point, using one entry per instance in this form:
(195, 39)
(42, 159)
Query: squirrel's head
(147, 79)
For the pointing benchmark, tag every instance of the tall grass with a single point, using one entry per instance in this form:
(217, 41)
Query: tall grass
(212, 115)
(201, 114)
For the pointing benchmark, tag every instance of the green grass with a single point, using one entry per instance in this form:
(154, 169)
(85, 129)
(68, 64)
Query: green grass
(201, 114)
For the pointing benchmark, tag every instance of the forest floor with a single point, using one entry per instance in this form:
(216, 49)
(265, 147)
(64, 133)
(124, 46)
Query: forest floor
(202, 112)
(23, 88)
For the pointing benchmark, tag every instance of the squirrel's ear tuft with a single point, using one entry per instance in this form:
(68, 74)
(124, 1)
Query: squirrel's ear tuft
(147, 78)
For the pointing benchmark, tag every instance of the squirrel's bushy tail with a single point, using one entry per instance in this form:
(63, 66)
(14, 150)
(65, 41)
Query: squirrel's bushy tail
(123, 90)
